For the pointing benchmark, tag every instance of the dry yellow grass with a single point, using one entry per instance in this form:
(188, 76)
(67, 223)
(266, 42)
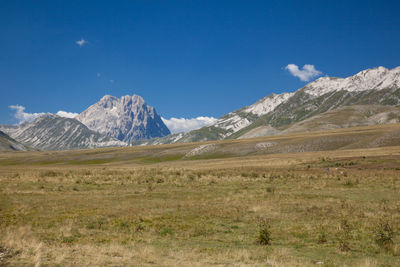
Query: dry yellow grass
(72, 209)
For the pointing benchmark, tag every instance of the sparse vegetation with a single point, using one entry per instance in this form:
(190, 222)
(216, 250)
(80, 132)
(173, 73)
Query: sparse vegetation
(201, 211)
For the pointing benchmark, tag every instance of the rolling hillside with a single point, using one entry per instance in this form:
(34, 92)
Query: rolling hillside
(343, 117)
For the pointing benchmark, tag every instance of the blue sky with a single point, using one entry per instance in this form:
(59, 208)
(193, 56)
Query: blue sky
(185, 58)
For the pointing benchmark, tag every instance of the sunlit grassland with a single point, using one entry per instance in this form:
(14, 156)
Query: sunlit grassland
(171, 211)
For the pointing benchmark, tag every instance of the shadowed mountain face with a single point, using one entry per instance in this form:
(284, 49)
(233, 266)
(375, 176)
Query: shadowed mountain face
(9, 144)
(128, 118)
(51, 132)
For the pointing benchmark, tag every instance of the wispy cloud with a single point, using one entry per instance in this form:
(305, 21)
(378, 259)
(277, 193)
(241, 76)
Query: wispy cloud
(66, 114)
(307, 73)
(23, 116)
(176, 125)
(81, 42)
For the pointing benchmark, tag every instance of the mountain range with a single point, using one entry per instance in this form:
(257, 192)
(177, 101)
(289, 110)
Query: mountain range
(370, 97)
(110, 122)
(274, 113)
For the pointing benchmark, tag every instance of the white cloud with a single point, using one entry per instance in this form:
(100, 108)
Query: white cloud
(81, 42)
(66, 114)
(307, 73)
(176, 125)
(23, 116)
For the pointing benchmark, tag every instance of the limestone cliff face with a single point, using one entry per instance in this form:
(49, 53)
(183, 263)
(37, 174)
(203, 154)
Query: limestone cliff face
(128, 118)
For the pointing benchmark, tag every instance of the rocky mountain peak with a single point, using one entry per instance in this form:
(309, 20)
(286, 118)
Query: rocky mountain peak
(108, 101)
(127, 118)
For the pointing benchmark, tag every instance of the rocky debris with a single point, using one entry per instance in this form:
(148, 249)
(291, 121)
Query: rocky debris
(200, 150)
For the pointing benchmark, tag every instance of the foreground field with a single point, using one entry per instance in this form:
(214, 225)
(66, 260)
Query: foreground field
(74, 208)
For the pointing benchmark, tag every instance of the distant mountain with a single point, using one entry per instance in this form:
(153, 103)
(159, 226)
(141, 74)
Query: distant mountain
(9, 144)
(274, 113)
(128, 118)
(51, 132)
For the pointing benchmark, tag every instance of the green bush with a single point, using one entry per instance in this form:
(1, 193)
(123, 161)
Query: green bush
(264, 231)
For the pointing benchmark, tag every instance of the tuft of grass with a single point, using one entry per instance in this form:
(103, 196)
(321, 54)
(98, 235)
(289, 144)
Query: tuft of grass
(384, 234)
(322, 236)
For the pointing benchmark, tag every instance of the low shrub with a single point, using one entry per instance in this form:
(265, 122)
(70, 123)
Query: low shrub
(264, 231)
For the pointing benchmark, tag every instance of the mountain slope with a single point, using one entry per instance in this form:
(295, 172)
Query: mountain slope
(329, 93)
(9, 144)
(378, 86)
(51, 132)
(343, 117)
(128, 118)
(236, 120)
(349, 116)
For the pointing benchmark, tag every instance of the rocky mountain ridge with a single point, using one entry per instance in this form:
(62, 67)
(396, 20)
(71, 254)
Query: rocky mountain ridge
(378, 86)
(51, 132)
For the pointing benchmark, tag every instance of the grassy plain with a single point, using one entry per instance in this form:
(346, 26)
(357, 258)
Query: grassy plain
(128, 207)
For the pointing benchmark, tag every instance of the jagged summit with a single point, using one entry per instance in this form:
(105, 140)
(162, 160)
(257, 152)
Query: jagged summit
(127, 118)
